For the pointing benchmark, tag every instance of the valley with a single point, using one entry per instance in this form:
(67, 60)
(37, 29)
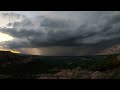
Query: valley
(21, 66)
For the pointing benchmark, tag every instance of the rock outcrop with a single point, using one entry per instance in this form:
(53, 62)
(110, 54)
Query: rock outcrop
(97, 75)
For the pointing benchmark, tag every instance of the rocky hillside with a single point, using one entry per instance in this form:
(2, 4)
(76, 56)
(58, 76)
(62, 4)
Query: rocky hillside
(18, 66)
(112, 50)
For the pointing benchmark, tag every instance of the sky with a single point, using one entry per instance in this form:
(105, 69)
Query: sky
(59, 32)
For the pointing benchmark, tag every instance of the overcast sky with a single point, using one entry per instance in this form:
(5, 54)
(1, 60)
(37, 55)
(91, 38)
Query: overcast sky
(60, 32)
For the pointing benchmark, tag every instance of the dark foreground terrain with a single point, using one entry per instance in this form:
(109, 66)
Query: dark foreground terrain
(19, 66)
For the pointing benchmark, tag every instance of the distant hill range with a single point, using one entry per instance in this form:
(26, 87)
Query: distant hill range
(6, 55)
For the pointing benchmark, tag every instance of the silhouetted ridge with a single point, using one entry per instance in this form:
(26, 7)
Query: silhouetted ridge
(7, 55)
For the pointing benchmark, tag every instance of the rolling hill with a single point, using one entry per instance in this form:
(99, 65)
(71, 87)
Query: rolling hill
(20, 66)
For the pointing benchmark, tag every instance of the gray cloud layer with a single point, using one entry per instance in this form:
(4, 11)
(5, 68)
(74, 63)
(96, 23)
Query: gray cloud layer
(44, 31)
(11, 15)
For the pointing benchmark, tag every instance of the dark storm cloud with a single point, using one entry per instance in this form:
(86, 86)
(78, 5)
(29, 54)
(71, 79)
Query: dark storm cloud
(45, 31)
(56, 23)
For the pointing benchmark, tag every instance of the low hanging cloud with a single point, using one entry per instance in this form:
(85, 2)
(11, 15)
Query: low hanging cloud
(43, 31)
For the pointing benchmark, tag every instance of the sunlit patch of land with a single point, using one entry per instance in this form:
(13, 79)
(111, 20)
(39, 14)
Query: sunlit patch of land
(14, 51)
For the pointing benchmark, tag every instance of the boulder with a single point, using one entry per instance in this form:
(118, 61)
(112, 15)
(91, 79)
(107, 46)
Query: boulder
(97, 75)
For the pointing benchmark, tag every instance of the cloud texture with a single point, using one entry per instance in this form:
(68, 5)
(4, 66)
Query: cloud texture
(66, 29)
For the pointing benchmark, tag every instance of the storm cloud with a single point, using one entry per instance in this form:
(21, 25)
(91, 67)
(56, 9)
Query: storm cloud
(69, 30)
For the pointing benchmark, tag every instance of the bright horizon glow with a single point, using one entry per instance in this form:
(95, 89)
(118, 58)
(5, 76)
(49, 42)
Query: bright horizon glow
(13, 51)
(5, 37)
